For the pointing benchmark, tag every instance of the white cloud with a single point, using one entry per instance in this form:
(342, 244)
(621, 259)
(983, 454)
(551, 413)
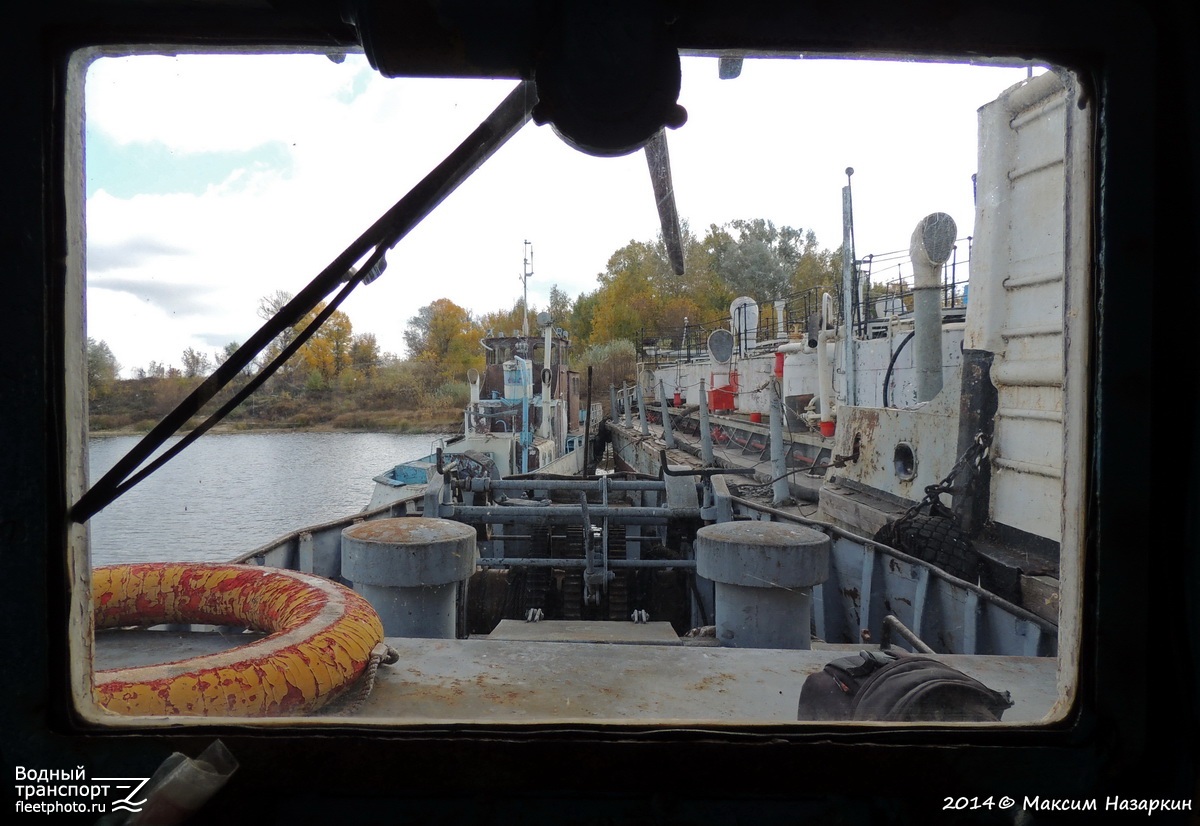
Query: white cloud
(773, 143)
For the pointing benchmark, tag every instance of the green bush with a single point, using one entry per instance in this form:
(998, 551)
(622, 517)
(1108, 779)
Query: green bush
(452, 394)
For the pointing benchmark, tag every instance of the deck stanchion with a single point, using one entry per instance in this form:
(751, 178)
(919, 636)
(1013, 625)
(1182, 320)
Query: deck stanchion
(587, 425)
(780, 490)
(668, 434)
(706, 446)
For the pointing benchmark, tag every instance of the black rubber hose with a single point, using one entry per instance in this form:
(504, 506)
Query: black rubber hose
(887, 377)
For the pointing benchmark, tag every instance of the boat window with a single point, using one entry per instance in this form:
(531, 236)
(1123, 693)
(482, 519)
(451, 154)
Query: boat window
(872, 482)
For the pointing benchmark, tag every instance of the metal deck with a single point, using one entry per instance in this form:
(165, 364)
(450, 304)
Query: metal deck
(513, 681)
(689, 682)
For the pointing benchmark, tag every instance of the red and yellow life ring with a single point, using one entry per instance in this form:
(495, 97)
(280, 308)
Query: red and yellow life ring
(320, 638)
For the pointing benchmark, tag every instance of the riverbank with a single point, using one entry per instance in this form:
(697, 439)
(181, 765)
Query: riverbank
(445, 421)
(383, 404)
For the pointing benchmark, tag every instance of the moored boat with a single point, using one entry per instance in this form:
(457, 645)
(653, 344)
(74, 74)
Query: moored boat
(524, 416)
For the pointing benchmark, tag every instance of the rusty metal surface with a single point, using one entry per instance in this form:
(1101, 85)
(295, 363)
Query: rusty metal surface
(494, 681)
(410, 530)
(408, 552)
(929, 434)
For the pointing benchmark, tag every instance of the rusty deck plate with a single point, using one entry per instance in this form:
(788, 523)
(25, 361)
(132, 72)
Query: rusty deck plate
(521, 681)
(513, 681)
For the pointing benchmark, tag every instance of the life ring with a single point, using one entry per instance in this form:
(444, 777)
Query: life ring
(320, 638)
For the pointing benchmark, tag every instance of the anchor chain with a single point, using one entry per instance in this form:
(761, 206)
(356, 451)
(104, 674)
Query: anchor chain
(936, 537)
(970, 462)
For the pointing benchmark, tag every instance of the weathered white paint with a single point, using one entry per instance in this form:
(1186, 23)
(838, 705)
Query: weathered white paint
(930, 432)
(1016, 309)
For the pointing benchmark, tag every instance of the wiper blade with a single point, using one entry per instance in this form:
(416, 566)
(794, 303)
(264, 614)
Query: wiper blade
(504, 122)
(659, 161)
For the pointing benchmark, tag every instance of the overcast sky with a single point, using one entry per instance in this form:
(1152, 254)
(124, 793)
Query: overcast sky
(214, 181)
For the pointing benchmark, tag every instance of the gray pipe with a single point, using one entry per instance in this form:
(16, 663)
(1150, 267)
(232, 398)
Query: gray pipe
(480, 485)
(559, 562)
(849, 351)
(930, 248)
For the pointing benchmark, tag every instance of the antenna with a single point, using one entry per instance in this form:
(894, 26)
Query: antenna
(526, 274)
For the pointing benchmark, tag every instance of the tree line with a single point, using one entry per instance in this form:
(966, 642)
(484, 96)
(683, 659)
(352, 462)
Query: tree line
(341, 378)
(639, 298)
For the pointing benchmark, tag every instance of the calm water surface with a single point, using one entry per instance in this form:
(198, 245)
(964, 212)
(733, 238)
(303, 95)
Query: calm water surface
(229, 493)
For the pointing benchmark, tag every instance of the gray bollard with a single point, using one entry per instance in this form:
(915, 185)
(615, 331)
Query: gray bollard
(763, 574)
(408, 569)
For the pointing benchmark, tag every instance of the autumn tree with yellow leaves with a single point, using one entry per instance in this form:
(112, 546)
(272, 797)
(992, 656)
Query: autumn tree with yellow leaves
(641, 298)
(444, 339)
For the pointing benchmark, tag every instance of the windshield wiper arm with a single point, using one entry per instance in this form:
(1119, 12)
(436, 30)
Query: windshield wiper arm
(385, 233)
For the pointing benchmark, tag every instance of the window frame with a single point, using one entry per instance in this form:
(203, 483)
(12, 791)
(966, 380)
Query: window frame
(1115, 617)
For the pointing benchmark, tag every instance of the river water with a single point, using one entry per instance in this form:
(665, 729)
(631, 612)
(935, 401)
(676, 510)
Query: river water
(229, 493)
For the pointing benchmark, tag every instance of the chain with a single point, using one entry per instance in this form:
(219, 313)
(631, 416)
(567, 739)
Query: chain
(971, 460)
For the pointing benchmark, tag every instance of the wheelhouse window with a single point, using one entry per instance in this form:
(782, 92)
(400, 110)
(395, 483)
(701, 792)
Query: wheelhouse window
(819, 368)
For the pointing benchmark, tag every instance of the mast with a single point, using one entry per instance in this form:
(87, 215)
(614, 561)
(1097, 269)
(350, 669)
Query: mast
(526, 274)
(849, 353)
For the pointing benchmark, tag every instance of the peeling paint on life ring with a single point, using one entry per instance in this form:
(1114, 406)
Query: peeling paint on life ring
(320, 637)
